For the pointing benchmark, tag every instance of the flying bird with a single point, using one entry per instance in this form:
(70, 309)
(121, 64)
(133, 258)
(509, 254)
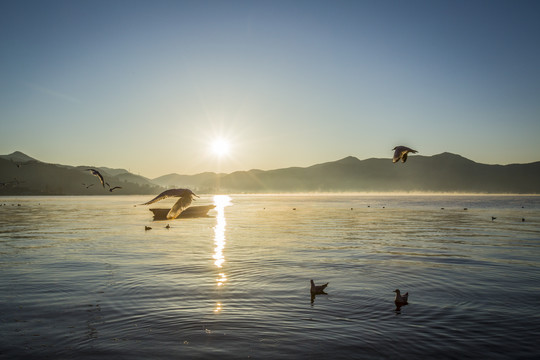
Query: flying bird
(401, 299)
(87, 186)
(185, 195)
(116, 187)
(400, 153)
(96, 173)
(317, 289)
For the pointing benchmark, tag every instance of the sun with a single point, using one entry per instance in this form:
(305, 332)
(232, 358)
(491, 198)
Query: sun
(221, 147)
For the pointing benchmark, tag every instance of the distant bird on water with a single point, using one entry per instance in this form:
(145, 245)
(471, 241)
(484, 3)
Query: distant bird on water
(317, 289)
(401, 299)
(97, 173)
(400, 153)
(185, 195)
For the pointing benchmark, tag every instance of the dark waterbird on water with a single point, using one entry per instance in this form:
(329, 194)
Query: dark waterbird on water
(317, 289)
(401, 299)
(400, 153)
(185, 195)
(97, 173)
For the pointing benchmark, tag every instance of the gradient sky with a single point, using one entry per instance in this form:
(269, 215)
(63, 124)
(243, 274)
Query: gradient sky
(149, 85)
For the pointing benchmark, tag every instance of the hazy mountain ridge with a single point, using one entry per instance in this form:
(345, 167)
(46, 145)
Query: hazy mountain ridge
(18, 157)
(439, 173)
(196, 182)
(23, 175)
(444, 172)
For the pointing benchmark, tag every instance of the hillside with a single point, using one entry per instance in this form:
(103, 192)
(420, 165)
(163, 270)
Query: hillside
(439, 173)
(24, 176)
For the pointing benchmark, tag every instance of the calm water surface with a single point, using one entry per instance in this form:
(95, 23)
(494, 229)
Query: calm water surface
(81, 278)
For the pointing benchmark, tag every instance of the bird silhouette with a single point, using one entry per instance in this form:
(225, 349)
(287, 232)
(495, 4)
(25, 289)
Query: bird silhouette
(113, 188)
(185, 195)
(400, 153)
(401, 299)
(317, 289)
(97, 173)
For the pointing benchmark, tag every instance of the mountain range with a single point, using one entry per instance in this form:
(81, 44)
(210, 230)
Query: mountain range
(21, 174)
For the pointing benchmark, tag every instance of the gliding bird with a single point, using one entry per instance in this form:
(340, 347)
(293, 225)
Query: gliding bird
(96, 173)
(400, 153)
(185, 195)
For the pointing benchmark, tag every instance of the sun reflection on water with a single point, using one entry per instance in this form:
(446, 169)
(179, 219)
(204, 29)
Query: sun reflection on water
(221, 201)
(218, 308)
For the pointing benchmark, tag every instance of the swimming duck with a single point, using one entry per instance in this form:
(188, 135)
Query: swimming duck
(401, 299)
(317, 289)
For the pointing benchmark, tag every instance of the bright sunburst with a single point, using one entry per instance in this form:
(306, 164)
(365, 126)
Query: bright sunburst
(221, 147)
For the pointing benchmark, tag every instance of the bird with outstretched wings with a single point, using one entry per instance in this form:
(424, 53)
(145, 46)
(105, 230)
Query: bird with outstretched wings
(185, 195)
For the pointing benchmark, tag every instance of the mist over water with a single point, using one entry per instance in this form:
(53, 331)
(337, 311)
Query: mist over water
(81, 278)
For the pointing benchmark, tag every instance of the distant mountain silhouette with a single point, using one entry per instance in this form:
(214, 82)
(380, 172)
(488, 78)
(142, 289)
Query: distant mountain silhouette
(18, 157)
(28, 176)
(444, 172)
(439, 173)
(187, 181)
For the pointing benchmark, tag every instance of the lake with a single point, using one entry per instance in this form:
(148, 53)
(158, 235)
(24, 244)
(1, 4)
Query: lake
(82, 278)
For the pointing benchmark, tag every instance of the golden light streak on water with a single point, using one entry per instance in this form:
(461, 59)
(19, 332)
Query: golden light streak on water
(221, 201)
(221, 279)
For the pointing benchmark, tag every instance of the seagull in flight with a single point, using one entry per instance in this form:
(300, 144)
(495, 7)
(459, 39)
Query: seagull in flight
(400, 153)
(96, 173)
(87, 186)
(111, 189)
(185, 195)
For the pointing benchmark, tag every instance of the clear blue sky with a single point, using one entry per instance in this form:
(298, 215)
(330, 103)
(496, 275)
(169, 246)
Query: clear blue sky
(149, 85)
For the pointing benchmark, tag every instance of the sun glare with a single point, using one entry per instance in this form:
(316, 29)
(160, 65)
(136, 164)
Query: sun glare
(220, 147)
